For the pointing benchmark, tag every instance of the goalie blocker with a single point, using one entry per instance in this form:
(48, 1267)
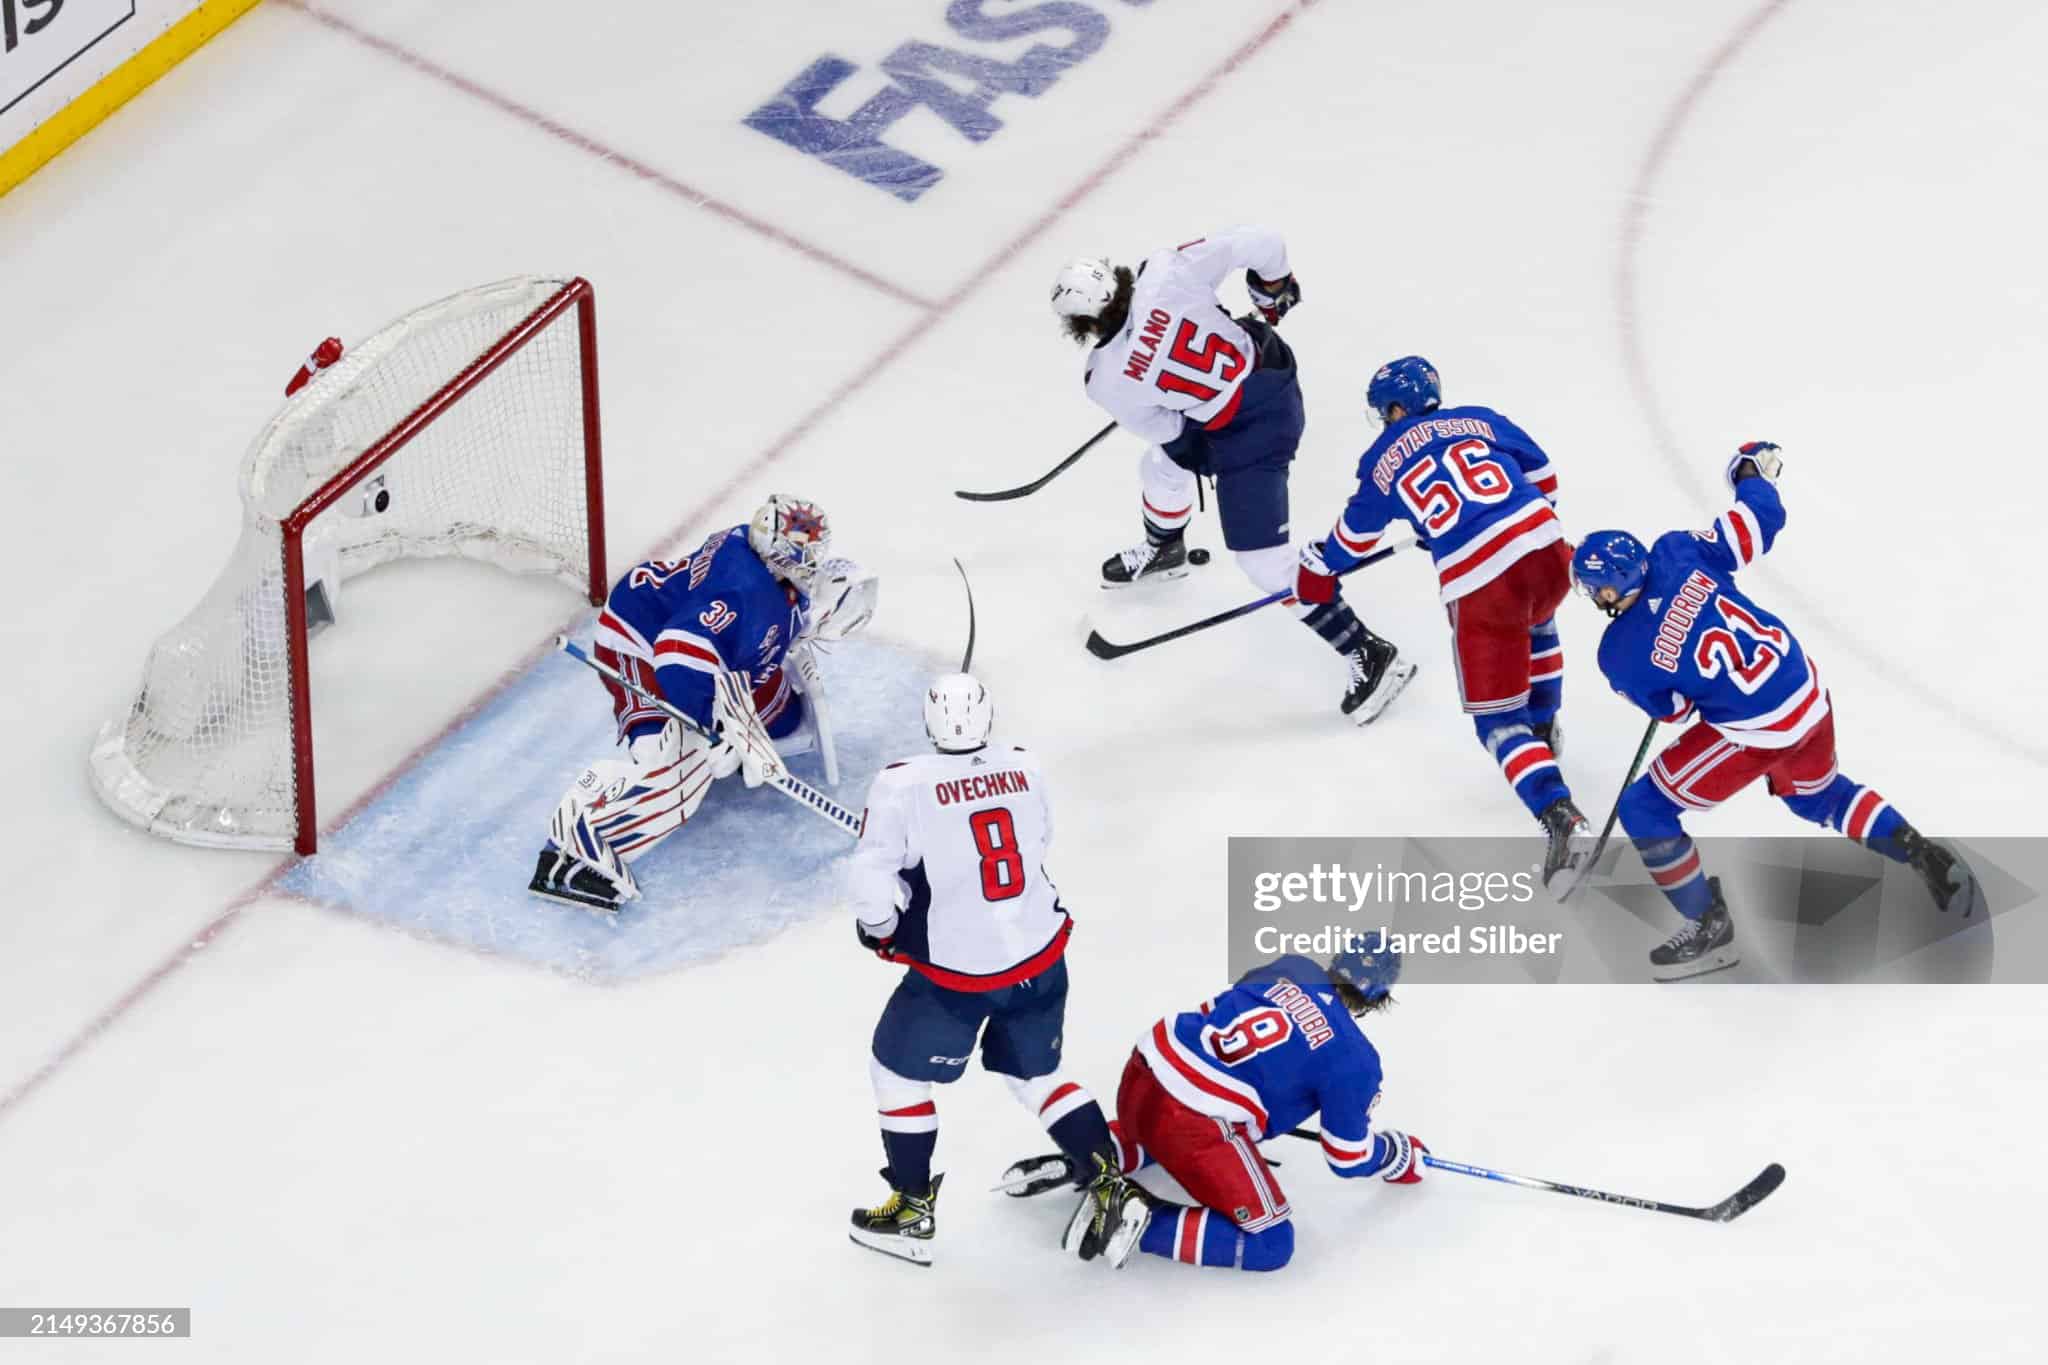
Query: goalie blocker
(727, 638)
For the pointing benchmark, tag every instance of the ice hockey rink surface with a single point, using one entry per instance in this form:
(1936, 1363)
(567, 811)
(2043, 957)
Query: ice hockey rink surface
(382, 1105)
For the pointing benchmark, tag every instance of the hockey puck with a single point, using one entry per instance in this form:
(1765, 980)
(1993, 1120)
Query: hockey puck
(1198, 556)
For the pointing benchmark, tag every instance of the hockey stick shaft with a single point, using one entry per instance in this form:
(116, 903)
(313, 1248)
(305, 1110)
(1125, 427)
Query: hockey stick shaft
(1734, 1206)
(1105, 649)
(967, 657)
(801, 792)
(1027, 489)
(1607, 830)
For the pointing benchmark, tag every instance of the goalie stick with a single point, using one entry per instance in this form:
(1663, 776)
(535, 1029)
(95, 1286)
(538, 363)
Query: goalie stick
(1107, 649)
(797, 790)
(1727, 1211)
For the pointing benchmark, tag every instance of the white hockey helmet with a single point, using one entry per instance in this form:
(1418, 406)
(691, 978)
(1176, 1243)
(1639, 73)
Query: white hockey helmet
(1083, 288)
(958, 714)
(791, 536)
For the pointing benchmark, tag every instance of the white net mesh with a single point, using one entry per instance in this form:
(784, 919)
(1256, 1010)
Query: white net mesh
(205, 754)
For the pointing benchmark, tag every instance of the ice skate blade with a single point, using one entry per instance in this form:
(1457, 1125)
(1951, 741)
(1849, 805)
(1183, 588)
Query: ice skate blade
(565, 897)
(1391, 686)
(1720, 960)
(1124, 1238)
(1156, 576)
(902, 1248)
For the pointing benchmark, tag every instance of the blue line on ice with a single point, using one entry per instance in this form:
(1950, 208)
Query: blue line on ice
(446, 852)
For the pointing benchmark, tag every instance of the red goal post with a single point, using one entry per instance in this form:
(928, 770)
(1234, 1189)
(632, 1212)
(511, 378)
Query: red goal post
(468, 427)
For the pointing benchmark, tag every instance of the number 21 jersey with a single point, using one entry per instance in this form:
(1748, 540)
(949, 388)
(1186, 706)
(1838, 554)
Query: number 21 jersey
(951, 864)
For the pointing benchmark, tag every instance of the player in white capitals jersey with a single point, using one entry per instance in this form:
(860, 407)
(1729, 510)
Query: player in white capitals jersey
(1215, 396)
(949, 879)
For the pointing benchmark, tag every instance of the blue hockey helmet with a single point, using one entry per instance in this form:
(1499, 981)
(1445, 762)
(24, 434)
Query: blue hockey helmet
(1371, 964)
(1610, 560)
(1410, 381)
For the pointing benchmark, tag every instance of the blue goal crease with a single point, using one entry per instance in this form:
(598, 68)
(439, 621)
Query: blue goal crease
(446, 851)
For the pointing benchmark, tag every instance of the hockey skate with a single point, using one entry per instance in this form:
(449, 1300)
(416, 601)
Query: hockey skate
(1109, 1220)
(1948, 878)
(1568, 855)
(571, 881)
(1704, 945)
(1036, 1175)
(1378, 673)
(903, 1225)
(1147, 563)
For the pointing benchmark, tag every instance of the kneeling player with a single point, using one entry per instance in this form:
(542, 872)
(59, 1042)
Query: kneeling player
(1203, 1088)
(711, 636)
(1480, 494)
(949, 878)
(1684, 642)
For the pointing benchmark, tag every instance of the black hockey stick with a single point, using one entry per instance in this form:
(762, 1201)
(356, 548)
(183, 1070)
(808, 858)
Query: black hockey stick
(967, 659)
(1024, 490)
(1105, 649)
(1727, 1211)
(1607, 830)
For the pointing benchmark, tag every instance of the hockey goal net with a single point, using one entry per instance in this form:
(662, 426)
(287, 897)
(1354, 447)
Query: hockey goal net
(467, 427)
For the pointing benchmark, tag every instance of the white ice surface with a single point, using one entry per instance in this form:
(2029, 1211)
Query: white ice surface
(340, 1142)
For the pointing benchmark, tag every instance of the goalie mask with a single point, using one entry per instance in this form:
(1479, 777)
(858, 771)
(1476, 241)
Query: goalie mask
(791, 537)
(958, 714)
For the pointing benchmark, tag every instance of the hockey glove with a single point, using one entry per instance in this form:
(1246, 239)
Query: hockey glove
(741, 733)
(1755, 460)
(1404, 1158)
(1273, 298)
(881, 945)
(1313, 582)
(325, 354)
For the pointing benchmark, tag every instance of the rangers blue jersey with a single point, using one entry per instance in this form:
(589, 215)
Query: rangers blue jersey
(1270, 1052)
(1478, 491)
(688, 618)
(1693, 640)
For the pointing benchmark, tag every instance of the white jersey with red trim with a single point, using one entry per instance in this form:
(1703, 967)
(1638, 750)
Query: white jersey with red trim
(1180, 356)
(950, 866)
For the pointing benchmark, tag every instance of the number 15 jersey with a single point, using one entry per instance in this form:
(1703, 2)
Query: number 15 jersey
(951, 864)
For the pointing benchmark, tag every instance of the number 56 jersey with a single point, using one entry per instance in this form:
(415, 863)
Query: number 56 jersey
(951, 865)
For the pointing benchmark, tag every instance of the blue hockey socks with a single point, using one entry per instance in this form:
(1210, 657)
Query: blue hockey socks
(1859, 812)
(1195, 1236)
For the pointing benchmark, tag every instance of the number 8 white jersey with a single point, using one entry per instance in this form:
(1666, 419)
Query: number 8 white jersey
(951, 865)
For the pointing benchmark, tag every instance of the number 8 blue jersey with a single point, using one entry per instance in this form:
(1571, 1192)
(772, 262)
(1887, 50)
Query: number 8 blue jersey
(1476, 488)
(1692, 639)
(1268, 1053)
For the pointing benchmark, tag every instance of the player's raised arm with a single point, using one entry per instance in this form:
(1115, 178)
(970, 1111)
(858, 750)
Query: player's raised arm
(1259, 250)
(1745, 532)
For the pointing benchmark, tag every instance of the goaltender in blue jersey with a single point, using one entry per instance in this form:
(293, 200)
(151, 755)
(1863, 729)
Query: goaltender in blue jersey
(724, 638)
